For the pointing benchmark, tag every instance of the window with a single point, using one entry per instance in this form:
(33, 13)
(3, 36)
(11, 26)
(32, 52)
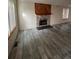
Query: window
(65, 13)
(11, 18)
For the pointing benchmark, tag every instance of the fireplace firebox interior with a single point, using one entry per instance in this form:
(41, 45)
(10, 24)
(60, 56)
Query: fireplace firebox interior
(43, 22)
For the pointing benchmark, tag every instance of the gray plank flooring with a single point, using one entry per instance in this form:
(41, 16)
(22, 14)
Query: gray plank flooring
(43, 44)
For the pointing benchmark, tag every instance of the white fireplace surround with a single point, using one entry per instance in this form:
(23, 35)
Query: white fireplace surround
(42, 17)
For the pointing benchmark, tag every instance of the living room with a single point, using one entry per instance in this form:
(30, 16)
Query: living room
(39, 29)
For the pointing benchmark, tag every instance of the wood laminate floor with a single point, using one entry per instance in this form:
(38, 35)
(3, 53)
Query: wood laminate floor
(43, 44)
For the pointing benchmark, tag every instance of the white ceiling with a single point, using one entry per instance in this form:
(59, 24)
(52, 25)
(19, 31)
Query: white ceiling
(53, 2)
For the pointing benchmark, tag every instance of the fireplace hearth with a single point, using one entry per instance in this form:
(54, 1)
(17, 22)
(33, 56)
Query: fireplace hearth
(44, 27)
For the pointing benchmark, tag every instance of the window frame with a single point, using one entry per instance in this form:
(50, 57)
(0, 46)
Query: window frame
(11, 12)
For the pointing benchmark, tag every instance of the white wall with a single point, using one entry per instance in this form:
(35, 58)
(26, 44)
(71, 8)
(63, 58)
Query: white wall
(56, 17)
(27, 18)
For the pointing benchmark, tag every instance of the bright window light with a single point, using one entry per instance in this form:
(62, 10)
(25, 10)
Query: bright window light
(65, 13)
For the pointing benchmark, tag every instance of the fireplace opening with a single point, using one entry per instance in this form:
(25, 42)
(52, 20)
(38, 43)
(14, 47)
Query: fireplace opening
(43, 22)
